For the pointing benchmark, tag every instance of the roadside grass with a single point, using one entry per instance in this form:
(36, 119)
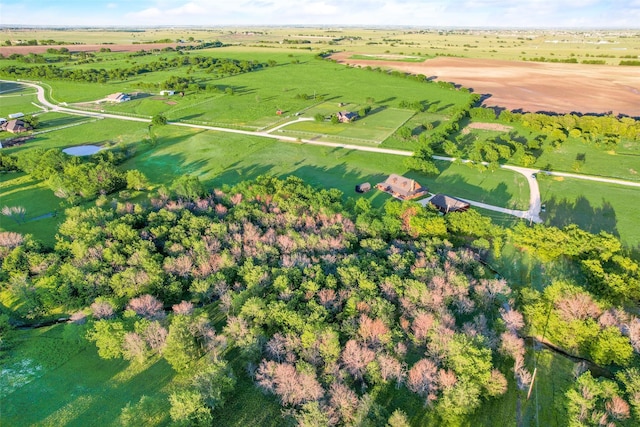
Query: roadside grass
(62, 381)
(593, 206)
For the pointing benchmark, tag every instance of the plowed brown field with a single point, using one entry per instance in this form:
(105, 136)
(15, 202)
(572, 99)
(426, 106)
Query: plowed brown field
(531, 86)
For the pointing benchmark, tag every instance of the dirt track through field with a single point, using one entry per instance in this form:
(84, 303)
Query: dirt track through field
(531, 86)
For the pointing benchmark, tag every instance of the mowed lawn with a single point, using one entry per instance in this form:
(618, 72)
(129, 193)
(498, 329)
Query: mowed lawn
(594, 206)
(50, 380)
(221, 158)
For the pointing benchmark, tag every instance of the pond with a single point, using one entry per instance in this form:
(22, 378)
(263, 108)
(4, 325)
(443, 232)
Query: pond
(82, 150)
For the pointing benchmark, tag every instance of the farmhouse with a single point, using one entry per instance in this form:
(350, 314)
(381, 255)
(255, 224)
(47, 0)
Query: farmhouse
(446, 204)
(15, 126)
(118, 97)
(347, 116)
(402, 188)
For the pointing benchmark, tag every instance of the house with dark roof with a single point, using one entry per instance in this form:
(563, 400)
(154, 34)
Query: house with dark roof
(446, 204)
(402, 188)
(346, 116)
(15, 126)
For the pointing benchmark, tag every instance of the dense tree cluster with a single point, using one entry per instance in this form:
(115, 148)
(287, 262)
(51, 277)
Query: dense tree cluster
(327, 304)
(222, 66)
(71, 178)
(324, 303)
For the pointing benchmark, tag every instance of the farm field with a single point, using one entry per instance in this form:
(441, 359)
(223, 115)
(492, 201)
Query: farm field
(531, 87)
(603, 207)
(603, 45)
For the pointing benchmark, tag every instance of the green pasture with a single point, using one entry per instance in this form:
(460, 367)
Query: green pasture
(593, 206)
(106, 132)
(18, 189)
(221, 158)
(377, 126)
(258, 95)
(17, 99)
(575, 156)
(52, 378)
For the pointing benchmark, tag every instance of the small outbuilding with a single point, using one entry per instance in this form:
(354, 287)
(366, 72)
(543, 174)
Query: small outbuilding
(167, 92)
(446, 204)
(363, 188)
(16, 115)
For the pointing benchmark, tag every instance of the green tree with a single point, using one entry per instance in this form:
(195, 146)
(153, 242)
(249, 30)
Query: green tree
(188, 187)
(108, 336)
(181, 348)
(159, 120)
(136, 180)
(404, 132)
(319, 117)
(188, 409)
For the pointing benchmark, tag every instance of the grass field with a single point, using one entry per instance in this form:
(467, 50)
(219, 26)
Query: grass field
(105, 132)
(594, 207)
(51, 378)
(374, 128)
(220, 159)
(16, 99)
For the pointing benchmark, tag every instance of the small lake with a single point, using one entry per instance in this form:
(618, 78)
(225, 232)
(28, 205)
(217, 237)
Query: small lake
(82, 150)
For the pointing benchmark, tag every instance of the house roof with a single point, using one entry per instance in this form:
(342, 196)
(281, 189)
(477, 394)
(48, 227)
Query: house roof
(15, 126)
(347, 115)
(117, 96)
(401, 186)
(446, 203)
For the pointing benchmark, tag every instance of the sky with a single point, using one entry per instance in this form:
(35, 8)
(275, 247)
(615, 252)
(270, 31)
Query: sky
(421, 13)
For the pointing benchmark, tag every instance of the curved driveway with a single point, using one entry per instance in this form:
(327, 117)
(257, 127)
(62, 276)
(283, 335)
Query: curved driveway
(532, 214)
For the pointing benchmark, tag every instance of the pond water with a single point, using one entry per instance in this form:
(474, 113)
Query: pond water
(82, 150)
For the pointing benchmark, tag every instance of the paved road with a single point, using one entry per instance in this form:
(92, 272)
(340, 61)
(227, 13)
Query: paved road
(532, 214)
